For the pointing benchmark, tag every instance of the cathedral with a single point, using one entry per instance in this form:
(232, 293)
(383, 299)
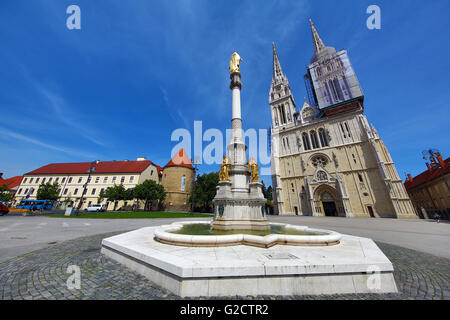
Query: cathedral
(327, 160)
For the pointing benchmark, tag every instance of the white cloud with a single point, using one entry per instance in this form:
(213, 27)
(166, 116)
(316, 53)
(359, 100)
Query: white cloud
(21, 137)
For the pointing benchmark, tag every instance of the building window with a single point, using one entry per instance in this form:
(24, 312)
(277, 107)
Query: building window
(354, 158)
(26, 191)
(93, 191)
(65, 191)
(57, 180)
(50, 180)
(102, 189)
(70, 180)
(75, 191)
(89, 179)
(97, 179)
(151, 173)
(114, 179)
(31, 180)
(122, 179)
(43, 180)
(315, 143)
(85, 191)
(360, 178)
(80, 179)
(105, 179)
(283, 114)
(342, 129)
(63, 180)
(323, 138)
(25, 180)
(348, 129)
(319, 161)
(306, 144)
(37, 180)
(183, 183)
(20, 191)
(131, 179)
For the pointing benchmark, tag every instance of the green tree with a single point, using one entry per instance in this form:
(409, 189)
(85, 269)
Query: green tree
(149, 191)
(115, 194)
(48, 191)
(67, 200)
(5, 194)
(205, 191)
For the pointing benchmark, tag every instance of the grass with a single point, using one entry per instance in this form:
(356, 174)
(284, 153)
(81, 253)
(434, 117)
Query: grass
(133, 215)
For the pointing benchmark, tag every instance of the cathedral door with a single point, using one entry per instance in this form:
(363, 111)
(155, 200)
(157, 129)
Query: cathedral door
(330, 208)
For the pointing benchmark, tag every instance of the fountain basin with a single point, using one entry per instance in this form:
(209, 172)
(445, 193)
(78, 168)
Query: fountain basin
(200, 234)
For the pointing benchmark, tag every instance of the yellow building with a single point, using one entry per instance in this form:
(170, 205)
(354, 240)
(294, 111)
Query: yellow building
(326, 158)
(430, 192)
(177, 178)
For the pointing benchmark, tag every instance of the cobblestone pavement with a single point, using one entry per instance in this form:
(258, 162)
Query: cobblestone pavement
(42, 274)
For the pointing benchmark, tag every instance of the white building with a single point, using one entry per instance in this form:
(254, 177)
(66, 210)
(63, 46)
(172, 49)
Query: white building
(72, 178)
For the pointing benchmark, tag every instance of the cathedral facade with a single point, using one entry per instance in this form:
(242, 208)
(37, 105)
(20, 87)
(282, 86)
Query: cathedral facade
(327, 160)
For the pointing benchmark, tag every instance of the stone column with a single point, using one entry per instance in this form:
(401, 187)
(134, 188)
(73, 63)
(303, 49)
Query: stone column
(236, 149)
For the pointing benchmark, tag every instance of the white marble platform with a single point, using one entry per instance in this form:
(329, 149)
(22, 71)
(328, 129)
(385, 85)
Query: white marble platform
(244, 270)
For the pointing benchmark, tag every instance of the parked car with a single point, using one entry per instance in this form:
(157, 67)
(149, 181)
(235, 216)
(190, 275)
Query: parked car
(3, 209)
(96, 207)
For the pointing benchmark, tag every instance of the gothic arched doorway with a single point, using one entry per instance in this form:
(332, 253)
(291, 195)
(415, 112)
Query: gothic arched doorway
(328, 202)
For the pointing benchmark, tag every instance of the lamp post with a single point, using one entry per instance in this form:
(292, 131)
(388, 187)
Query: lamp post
(90, 170)
(193, 187)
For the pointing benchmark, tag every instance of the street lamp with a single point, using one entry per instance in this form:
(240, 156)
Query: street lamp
(90, 170)
(193, 186)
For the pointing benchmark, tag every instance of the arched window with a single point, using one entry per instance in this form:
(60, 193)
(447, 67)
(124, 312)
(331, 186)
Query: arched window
(306, 144)
(323, 138)
(319, 161)
(348, 129)
(283, 114)
(183, 183)
(314, 141)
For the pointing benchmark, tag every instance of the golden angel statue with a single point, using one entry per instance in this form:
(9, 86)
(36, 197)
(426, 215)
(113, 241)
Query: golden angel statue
(253, 168)
(234, 62)
(223, 172)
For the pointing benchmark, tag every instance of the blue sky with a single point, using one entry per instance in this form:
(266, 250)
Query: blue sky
(137, 70)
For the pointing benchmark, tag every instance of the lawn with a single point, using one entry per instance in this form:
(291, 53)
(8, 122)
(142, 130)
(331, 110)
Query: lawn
(133, 215)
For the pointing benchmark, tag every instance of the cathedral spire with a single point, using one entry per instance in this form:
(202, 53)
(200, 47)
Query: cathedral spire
(318, 43)
(277, 71)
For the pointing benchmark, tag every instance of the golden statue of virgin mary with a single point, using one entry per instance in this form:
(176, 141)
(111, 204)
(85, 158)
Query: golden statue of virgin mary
(234, 62)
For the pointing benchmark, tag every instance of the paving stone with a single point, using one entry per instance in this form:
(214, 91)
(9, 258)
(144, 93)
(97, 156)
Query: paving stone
(41, 275)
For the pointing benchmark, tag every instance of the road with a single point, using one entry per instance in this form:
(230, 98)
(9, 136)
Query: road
(20, 235)
(421, 235)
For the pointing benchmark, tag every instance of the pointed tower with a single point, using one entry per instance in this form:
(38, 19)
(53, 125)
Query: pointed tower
(281, 99)
(320, 50)
(317, 40)
(330, 79)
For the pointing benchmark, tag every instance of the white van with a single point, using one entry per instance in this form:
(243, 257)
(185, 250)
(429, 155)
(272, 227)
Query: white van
(96, 207)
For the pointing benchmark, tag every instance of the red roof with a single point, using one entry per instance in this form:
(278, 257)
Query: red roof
(101, 167)
(11, 182)
(428, 175)
(180, 159)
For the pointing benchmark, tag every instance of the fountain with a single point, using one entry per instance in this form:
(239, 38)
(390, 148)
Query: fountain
(239, 252)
